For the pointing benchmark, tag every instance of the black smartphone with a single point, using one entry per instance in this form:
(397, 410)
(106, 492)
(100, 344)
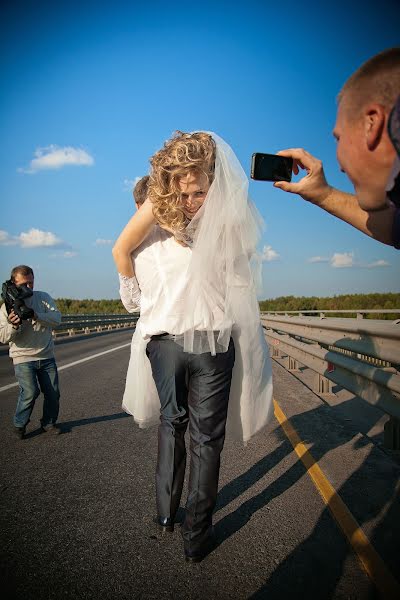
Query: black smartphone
(271, 167)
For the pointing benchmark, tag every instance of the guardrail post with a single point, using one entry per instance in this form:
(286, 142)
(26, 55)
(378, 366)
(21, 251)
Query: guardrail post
(274, 349)
(293, 365)
(322, 385)
(391, 434)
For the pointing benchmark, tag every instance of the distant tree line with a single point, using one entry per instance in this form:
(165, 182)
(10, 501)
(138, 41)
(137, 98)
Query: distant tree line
(67, 306)
(297, 303)
(343, 302)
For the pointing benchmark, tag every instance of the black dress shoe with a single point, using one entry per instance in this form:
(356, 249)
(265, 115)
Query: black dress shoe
(195, 559)
(198, 555)
(165, 524)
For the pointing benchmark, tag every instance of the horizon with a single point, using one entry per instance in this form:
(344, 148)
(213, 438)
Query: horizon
(117, 299)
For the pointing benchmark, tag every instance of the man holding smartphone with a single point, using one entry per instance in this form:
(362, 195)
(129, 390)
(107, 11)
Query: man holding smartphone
(368, 150)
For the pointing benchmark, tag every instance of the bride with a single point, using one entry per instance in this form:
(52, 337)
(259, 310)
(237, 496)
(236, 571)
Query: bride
(199, 355)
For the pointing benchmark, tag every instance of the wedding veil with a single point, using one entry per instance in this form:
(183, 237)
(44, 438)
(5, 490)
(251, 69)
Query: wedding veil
(222, 282)
(221, 277)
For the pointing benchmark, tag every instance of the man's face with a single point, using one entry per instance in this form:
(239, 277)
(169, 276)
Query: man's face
(27, 280)
(194, 188)
(358, 158)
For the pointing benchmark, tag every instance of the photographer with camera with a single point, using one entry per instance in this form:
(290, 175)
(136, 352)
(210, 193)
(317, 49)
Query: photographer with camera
(26, 322)
(367, 132)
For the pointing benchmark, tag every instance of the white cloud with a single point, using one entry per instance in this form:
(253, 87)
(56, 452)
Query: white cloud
(342, 260)
(102, 242)
(35, 238)
(65, 254)
(377, 264)
(129, 184)
(337, 260)
(6, 239)
(268, 254)
(55, 157)
(318, 259)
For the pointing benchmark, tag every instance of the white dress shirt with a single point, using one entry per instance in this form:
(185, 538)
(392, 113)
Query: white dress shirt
(161, 266)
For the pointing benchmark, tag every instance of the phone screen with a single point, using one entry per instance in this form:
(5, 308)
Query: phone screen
(271, 167)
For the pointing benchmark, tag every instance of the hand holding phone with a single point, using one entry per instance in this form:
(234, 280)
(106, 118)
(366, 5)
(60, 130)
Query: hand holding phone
(271, 167)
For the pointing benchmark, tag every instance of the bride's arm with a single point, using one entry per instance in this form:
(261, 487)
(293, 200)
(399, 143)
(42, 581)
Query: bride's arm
(131, 237)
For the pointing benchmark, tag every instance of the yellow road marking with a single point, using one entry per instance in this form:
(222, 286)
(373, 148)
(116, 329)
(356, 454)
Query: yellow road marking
(373, 564)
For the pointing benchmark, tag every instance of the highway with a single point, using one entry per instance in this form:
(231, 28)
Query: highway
(77, 509)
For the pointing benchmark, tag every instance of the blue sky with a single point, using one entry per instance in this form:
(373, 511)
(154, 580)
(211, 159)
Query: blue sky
(95, 88)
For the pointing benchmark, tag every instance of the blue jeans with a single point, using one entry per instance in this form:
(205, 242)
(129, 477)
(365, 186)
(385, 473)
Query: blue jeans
(34, 377)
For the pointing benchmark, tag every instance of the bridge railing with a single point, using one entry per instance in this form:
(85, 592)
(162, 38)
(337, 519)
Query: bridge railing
(359, 355)
(77, 324)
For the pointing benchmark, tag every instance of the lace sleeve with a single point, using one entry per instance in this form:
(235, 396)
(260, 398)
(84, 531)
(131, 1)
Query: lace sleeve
(129, 292)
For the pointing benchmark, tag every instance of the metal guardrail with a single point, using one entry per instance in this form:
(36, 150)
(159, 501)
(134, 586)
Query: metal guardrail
(362, 356)
(76, 324)
(373, 338)
(360, 312)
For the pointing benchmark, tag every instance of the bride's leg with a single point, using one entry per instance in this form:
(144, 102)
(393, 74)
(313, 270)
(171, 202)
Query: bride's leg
(168, 363)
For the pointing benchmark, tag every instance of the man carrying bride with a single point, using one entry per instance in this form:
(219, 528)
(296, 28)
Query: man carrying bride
(199, 354)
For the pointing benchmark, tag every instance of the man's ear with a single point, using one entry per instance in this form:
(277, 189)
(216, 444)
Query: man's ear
(375, 121)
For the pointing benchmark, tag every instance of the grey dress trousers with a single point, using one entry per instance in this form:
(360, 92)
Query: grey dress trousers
(194, 389)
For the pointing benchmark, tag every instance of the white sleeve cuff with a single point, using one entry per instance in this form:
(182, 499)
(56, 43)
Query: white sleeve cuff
(129, 292)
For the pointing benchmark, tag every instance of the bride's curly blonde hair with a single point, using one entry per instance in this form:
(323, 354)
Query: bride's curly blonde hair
(183, 153)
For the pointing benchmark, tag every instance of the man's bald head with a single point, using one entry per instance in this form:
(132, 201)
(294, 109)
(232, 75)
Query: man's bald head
(376, 81)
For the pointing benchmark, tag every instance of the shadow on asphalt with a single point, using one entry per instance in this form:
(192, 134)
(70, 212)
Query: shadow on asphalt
(33, 434)
(371, 492)
(68, 426)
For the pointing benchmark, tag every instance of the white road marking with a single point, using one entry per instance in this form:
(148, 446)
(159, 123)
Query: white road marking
(76, 362)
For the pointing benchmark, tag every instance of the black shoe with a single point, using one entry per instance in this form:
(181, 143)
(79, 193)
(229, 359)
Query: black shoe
(165, 524)
(52, 429)
(196, 558)
(20, 432)
(199, 554)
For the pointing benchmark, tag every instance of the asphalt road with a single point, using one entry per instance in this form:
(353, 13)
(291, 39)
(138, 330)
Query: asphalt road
(76, 509)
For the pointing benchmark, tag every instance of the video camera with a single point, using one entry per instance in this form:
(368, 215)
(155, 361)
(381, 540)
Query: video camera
(14, 296)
